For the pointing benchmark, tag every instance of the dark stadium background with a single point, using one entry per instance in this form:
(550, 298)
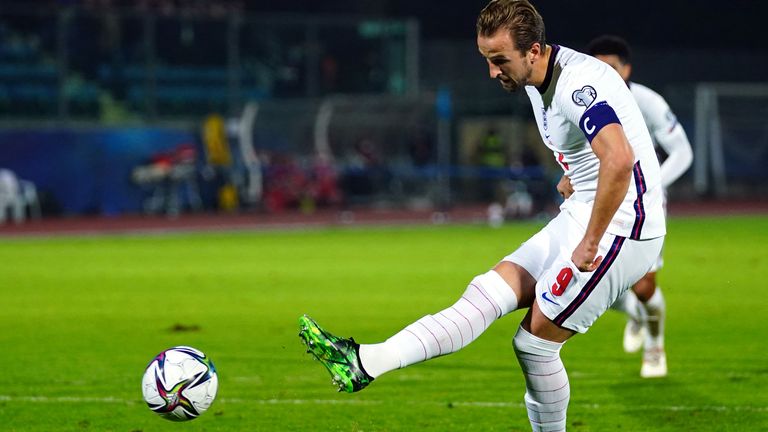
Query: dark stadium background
(677, 46)
(114, 109)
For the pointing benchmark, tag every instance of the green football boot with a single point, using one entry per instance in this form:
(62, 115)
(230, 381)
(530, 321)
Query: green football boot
(340, 356)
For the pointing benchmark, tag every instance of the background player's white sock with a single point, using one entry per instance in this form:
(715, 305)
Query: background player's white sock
(655, 308)
(487, 298)
(630, 305)
(546, 381)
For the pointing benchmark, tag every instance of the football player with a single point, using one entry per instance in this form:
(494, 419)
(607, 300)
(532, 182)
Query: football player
(605, 238)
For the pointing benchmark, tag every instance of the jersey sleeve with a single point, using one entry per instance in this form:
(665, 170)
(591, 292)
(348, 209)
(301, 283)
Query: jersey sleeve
(656, 113)
(586, 103)
(679, 154)
(668, 134)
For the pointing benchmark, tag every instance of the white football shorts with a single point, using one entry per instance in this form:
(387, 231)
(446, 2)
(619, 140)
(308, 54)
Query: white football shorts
(573, 299)
(658, 263)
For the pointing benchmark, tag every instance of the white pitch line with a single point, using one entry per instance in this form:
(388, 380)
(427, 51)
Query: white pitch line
(302, 401)
(470, 404)
(70, 399)
(717, 408)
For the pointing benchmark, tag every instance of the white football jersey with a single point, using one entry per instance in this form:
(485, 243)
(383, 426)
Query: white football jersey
(666, 132)
(579, 96)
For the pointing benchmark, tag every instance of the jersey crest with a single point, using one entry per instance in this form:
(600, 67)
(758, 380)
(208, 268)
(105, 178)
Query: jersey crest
(585, 96)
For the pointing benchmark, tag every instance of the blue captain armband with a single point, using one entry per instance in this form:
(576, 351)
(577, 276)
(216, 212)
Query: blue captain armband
(597, 117)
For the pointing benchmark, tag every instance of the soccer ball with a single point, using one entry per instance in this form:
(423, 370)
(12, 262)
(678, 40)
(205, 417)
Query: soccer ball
(180, 383)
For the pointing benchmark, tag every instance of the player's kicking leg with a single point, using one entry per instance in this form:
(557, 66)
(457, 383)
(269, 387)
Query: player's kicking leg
(340, 356)
(352, 366)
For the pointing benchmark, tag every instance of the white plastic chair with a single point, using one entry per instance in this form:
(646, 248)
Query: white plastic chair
(11, 199)
(28, 192)
(16, 196)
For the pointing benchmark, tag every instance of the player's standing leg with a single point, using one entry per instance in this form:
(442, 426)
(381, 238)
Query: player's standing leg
(548, 391)
(568, 301)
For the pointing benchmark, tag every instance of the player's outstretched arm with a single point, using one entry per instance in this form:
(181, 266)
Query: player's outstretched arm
(675, 143)
(610, 145)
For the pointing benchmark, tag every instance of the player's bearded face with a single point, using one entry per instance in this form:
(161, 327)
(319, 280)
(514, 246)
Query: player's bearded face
(505, 63)
(514, 77)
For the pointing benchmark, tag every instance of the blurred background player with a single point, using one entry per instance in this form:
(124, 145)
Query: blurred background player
(644, 304)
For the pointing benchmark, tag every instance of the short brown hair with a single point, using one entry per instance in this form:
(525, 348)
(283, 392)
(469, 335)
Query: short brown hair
(519, 17)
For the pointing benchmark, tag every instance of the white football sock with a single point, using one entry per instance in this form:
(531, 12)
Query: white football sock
(487, 298)
(655, 307)
(630, 305)
(546, 381)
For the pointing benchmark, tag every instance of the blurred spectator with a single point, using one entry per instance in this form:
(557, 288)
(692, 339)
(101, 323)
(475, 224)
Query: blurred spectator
(491, 157)
(168, 175)
(366, 174)
(491, 151)
(324, 185)
(285, 183)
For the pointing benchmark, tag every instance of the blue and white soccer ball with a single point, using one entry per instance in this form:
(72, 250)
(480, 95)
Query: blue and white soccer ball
(180, 383)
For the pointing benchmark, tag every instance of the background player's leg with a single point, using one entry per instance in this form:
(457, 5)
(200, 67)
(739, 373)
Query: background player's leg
(652, 300)
(635, 329)
(487, 298)
(655, 307)
(653, 304)
(630, 305)
(654, 356)
(546, 380)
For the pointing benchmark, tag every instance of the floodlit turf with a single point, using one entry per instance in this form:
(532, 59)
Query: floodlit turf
(81, 317)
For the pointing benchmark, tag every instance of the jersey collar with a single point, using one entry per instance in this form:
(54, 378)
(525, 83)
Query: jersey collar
(550, 66)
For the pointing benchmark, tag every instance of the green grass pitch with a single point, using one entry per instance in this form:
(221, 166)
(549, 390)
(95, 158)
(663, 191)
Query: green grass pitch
(80, 317)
